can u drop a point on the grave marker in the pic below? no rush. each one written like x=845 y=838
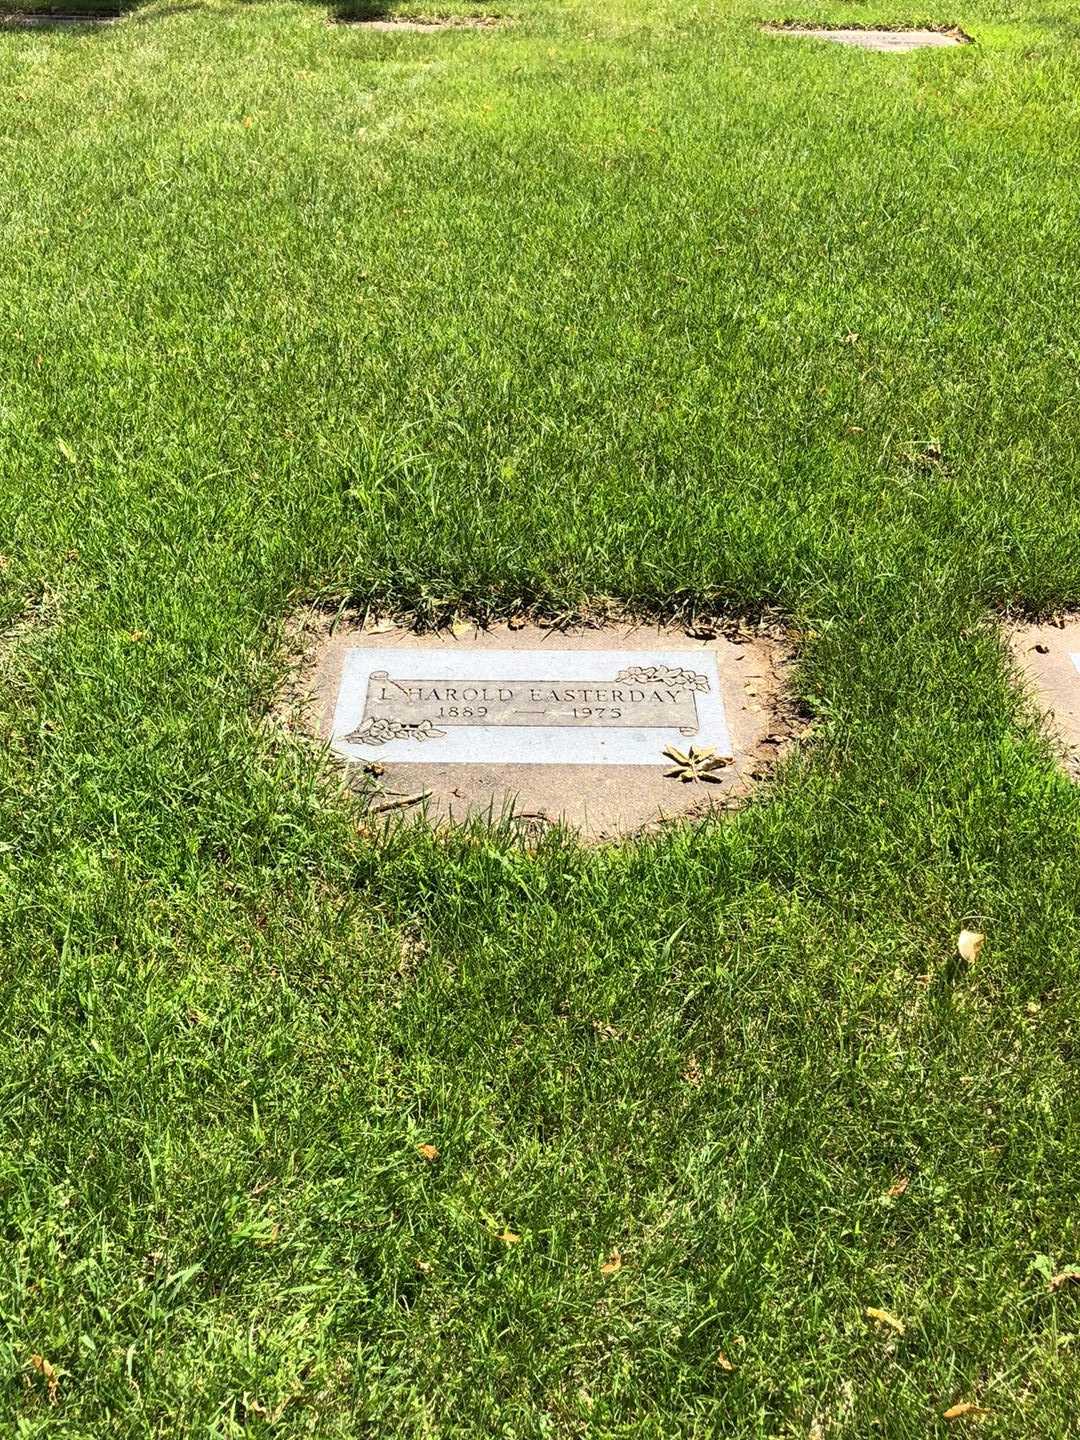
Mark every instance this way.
x=527 y=707
x=1049 y=658
x=889 y=41
x=583 y=726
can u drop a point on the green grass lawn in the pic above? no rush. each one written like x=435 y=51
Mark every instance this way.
x=620 y=300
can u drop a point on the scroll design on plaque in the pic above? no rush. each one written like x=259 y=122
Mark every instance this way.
x=639 y=697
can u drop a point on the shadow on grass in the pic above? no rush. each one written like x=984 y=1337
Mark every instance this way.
x=423 y=17
x=80 y=14
x=359 y=10
x=88 y=14
x=46 y=18
x=392 y=11
x=84 y=16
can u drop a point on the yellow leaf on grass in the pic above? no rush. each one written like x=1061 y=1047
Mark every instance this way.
x=965 y=1410
x=898 y=1188
x=724 y=1362
x=507 y=1237
x=882 y=1317
x=969 y=944
x=612 y=1265
x=427 y=1152
x=49 y=1373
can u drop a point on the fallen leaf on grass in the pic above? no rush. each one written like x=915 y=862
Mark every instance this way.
x=49 y=1374
x=965 y=1410
x=428 y=1152
x=612 y=1265
x=1070 y=1275
x=969 y=944
x=695 y=764
x=270 y=1413
x=507 y=1237
x=882 y=1317
x=724 y=1362
x=898 y=1188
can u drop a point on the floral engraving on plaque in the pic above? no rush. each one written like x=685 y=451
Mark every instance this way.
x=674 y=679
x=378 y=729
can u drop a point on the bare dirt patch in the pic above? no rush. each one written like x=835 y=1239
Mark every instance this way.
x=1048 y=657
x=603 y=801
x=888 y=41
